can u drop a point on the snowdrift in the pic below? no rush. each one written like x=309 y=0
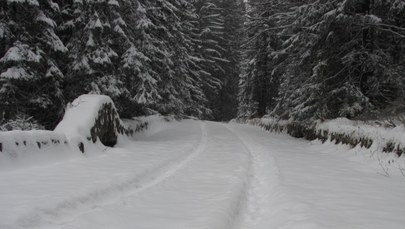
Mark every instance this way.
x=92 y=120
x=381 y=142
x=91 y=123
x=373 y=136
x=21 y=148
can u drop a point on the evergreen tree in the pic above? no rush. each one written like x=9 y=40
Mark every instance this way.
x=260 y=77
x=345 y=68
x=217 y=47
x=169 y=48
x=233 y=12
x=209 y=36
x=98 y=40
x=30 y=80
x=138 y=69
x=325 y=59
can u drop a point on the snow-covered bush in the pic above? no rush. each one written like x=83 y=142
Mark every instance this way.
x=24 y=148
x=21 y=123
x=91 y=123
x=371 y=135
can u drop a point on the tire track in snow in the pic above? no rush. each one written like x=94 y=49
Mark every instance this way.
x=263 y=203
x=93 y=200
x=249 y=210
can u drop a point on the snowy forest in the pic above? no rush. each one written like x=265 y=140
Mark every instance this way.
x=210 y=59
x=196 y=114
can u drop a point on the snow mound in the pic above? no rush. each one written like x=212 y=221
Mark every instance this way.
x=381 y=135
x=24 y=148
x=91 y=123
x=150 y=125
x=382 y=143
x=92 y=120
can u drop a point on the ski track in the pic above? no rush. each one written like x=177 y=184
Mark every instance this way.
x=98 y=198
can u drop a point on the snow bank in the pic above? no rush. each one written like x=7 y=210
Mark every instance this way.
x=386 y=139
x=92 y=121
x=150 y=125
x=24 y=148
x=380 y=142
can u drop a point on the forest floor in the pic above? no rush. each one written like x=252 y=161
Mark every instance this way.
x=194 y=174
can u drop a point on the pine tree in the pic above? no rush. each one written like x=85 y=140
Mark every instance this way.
x=97 y=42
x=209 y=36
x=168 y=44
x=344 y=68
x=233 y=12
x=138 y=70
x=30 y=79
x=260 y=76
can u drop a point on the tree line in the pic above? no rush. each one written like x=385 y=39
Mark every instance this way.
x=323 y=59
x=211 y=59
x=150 y=56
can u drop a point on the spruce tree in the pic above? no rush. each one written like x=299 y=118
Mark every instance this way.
x=97 y=42
x=30 y=79
x=344 y=67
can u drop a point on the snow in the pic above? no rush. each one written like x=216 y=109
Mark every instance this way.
x=103 y=55
x=98 y=24
x=132 y=58
x=54 y=6
x=330 y=188
x=90 y=41
x=113 y=3
x=43 y=18
x=54 y=41
x=195 y=174
x=120 y=21
x=373 y=19
x=4 y=30
x=83 y=65
x=119 y=30
x=95 y=23
x=16 y=73
x=156 y=124
x=110 y=85
x=20 y=52
x=54 y=71
x=23 y=149
x=80 y=117
x=29 y=2
x=380 y=134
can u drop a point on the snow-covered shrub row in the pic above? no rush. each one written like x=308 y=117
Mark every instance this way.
x=91 y=123
x=370 y=135
x=20 y=148
x=151 y=124
x=93 y=120
x=22 y=122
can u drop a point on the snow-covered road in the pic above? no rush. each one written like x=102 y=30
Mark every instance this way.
x=194 y=175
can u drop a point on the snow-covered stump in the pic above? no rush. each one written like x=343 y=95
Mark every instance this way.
x=92 y=120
